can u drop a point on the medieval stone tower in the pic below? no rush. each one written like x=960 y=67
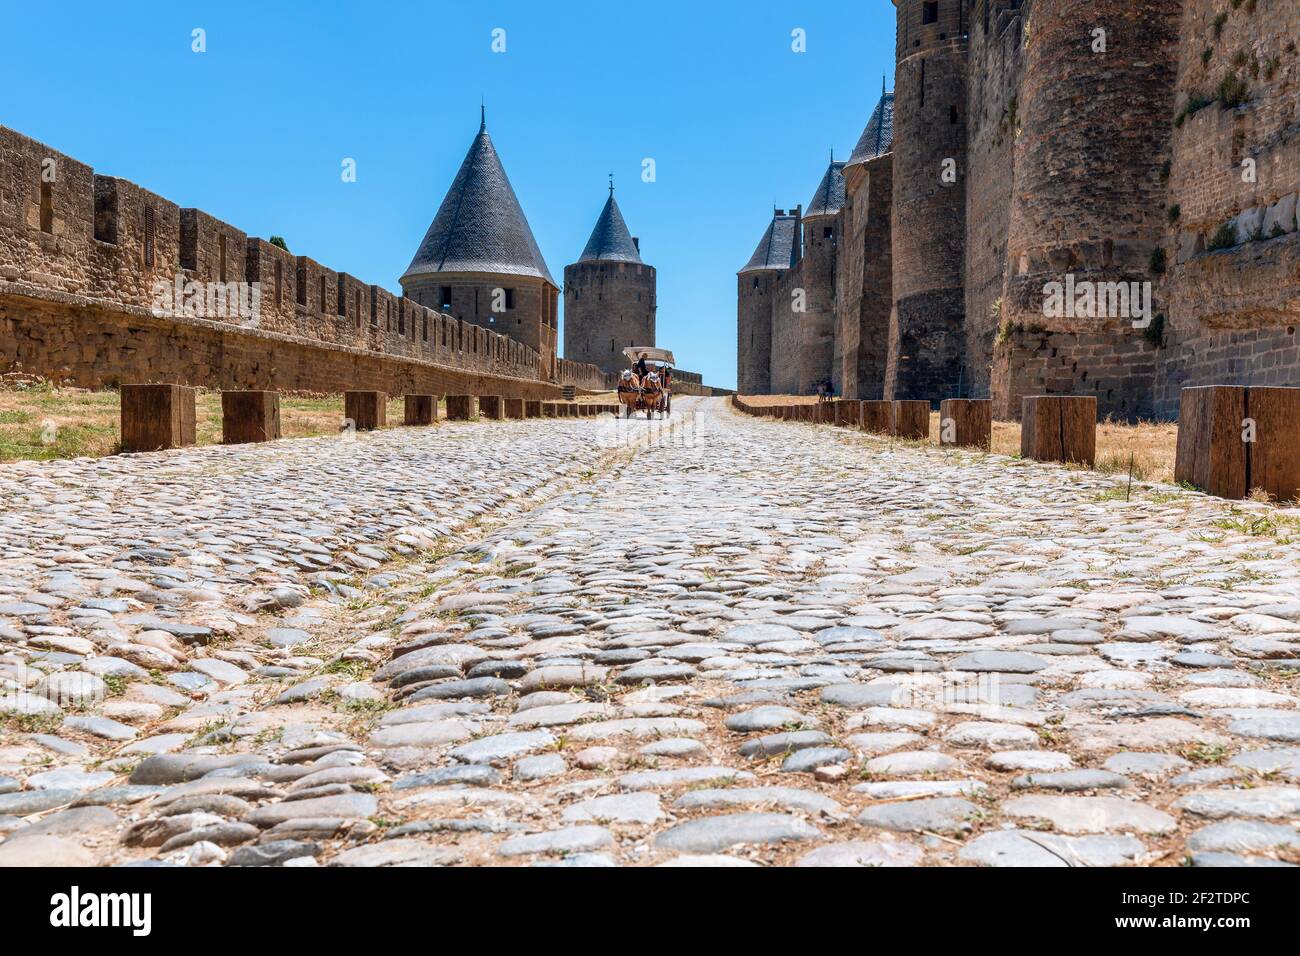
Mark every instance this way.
x=756 y=304
x=1097 y=214
x=1080 y=197
x=479 y=261
x=929 y=203
x=864 y=272
x=609 y=295
x=817 y=281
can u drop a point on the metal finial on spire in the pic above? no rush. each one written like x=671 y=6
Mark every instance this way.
x=482 y=115
x=883 y=87
x=611 y=185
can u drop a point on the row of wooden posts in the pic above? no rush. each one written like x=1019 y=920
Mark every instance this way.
x=1232 y=439
x=155 y=417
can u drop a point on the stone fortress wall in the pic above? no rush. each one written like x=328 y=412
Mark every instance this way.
x=1171 y=158
x=79 y=257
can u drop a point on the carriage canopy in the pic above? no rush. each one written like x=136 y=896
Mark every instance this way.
x=653 y=356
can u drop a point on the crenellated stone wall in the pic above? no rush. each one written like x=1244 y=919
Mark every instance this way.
x=81 y=257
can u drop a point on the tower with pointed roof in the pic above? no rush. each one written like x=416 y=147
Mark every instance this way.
x=757 y=285
x=479 y=262
x=816 y=325
x=609 y=294
x=864 y=292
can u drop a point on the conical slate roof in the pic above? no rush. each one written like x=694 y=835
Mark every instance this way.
x=878 y=138
x=829 y=198
x=610 y=240
x=777 y=249
x=480 y=226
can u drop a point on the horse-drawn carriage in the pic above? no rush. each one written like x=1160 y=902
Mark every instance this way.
x=646 y=386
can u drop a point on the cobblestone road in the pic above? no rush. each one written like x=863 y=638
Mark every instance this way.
x=574 y=642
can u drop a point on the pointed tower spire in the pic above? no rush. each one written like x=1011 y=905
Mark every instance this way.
x=611 y=238
x=480 y=226
x=878 y=137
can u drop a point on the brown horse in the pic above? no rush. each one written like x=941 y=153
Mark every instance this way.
x=629 y=391
x=652 y=393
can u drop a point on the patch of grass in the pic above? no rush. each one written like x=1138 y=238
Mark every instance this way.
x=1195 y=103
x=1201 y=752
x=41 y=423
x=31 y=723
x=1225 y=237
x=1233 y=91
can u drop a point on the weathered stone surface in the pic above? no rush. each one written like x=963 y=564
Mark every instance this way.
x=711 y=834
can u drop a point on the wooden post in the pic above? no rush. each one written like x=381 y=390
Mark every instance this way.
x=1234 y=439
x=912 y=420
x=366 y=410
x=550 y=409
x=514 y=407
x=421 y=409
x=966 y=422
x=249 y=416
x=1059 y=428
x=461 y=408
x=155 y=417
x=877 y=417
x=848 y=413
x=489 y=406
x=532 y=409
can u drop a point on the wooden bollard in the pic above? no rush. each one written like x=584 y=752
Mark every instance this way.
x=847 y=413
x=532 y=409
x=1234 y=439
x=155 y=417
x=490 y=407
x=966 y=422
x=461 y=408
x=912 y=420
x=249 y=416
x=366 y=410
x=421 y=409
x=514 y=407
x=1059 y=428
x=550 y=410
x=877 y=417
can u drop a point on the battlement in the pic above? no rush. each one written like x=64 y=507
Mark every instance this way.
x=71 y=234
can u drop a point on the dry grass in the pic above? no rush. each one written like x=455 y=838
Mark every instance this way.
x=779 y=399
x=41 y=423
x=1149 y=445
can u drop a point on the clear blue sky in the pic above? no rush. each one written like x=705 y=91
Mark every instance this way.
x=254 y=130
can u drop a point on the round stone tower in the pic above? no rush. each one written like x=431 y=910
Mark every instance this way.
x=760 y=330
x=1089 y=202
x=609 y=295
x=929 y=201
x=821 y=228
